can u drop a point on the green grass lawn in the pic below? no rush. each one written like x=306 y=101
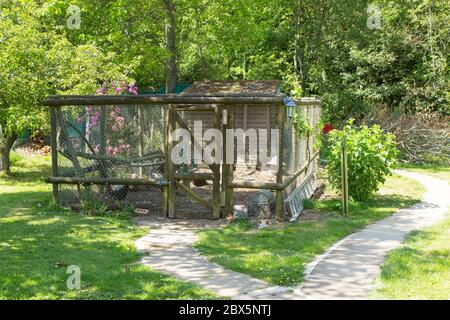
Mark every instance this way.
x=279 y=255
x=38 y=243
x=420 y=269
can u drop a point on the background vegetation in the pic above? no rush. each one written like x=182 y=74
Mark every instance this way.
x=326 y=47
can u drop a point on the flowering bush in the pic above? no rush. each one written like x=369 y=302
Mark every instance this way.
x=371 y=155
x=116 y=128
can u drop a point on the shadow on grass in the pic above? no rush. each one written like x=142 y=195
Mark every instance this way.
x=38 y=244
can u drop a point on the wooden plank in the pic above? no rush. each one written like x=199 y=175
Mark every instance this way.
x=195 y=108
x=256 y=185
x=194 y=176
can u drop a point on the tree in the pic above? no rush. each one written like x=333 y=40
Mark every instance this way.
x=35 y=62
x=23 y=79
x=171 y=62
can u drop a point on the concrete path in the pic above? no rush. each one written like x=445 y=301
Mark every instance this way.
x=347 y=270
x=169 y=247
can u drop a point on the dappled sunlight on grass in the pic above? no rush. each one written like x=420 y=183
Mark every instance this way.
x=38 y=243
x=279 y=254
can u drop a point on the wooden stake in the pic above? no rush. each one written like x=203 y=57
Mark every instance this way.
x=344 y=174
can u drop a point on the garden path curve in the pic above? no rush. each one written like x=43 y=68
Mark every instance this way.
x=347 y=270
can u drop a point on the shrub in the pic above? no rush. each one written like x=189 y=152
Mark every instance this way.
x=14 y=158
x=92 y=207
x=371 y=155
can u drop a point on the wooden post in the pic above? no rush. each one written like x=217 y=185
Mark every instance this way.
x=228 y=167
x=54 y=149
x=169 y=192
x=216 y=171
x=344 y=174
x=279 y=207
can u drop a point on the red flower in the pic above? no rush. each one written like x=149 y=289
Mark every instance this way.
x=327 y=128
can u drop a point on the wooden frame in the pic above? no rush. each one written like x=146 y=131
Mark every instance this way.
x=221 y=105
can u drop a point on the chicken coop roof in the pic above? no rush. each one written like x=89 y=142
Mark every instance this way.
x=242 y=86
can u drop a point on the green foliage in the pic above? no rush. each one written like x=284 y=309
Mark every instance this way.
x=371 y=156
x=93 y=207
x=301 y=124
x=15 y=158
x=309 y=204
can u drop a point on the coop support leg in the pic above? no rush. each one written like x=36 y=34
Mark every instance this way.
x=279 y=207
x=227 y=168
x=54 y=150
x=169 y=192
x=216 y=171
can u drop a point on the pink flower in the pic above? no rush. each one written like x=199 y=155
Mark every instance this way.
x=102 y=90
x=133 y=89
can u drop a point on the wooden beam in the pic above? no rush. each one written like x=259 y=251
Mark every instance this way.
x=200 y=108
x=106 y=181
x=256 y=185
x=194 y=176
x=233 y=100
x=270 y=185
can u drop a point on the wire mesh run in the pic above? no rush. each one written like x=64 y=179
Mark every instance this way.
x=111 y=142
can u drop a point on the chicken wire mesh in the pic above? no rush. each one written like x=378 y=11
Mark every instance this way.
x=298 y=150
x=111 y=142
x=128 y=142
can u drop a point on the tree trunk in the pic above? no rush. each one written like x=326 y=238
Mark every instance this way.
x=171 y=62
x=6 y=144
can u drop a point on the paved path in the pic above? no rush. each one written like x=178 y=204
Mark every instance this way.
x=348 y=269
x=345 y=271
x=169 y=245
